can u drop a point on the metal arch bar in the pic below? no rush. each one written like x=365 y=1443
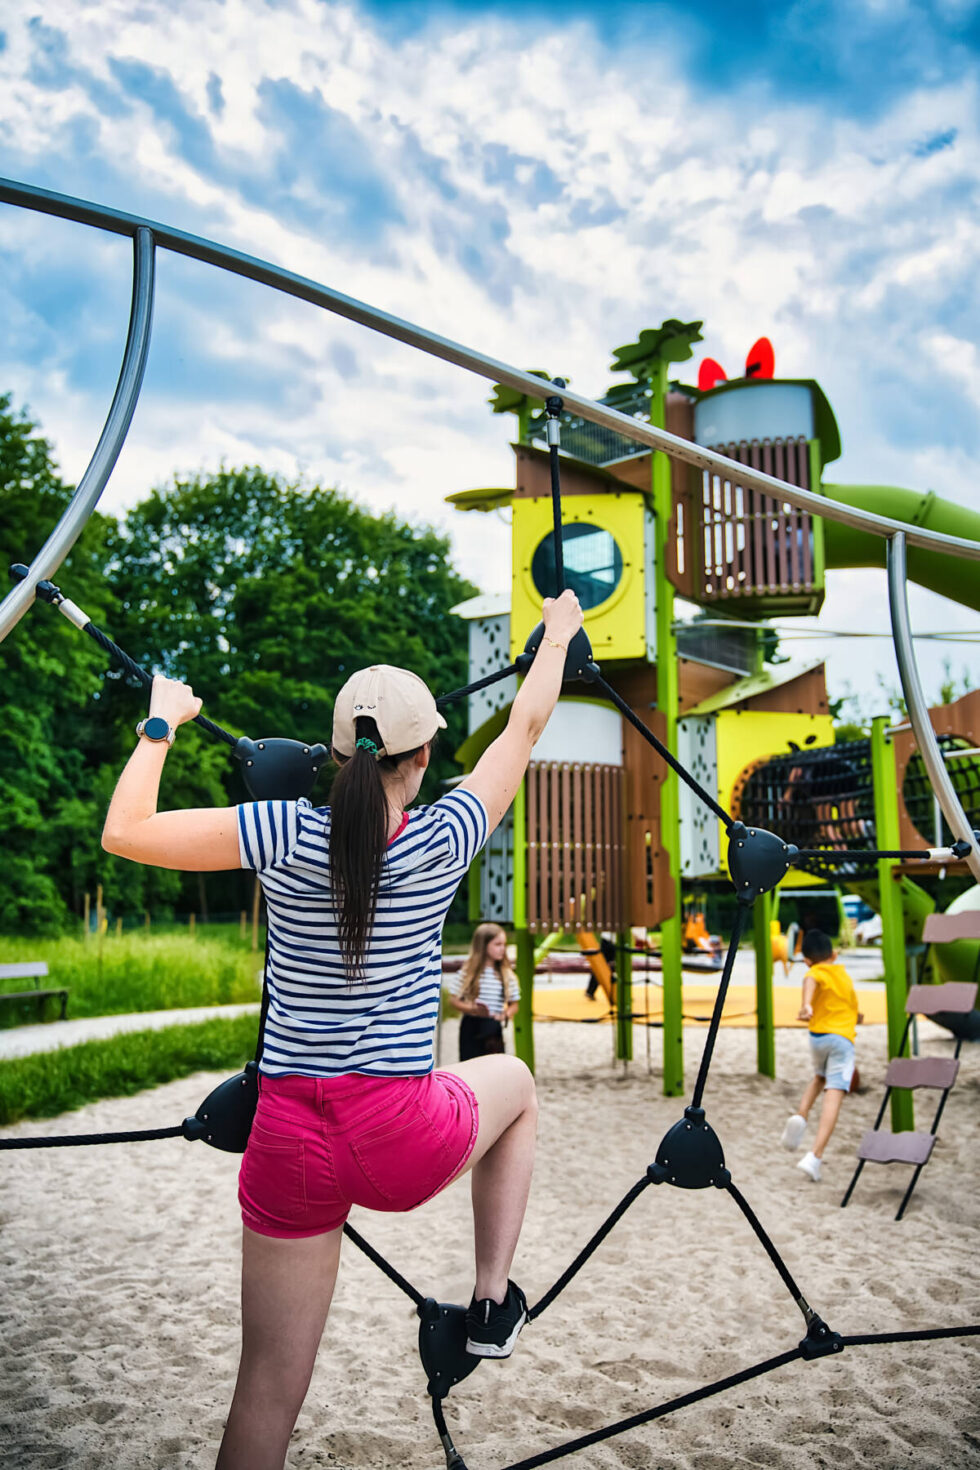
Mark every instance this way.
x=82 y=212
x=915 y=701
x=93 y=482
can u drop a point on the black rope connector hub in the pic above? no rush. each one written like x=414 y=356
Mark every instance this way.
x=821 y=1341
x=224 y=1119
x=690 y=1155
x=279 y=770
x=580 y=666
x=442 y=1346
x=757 y=860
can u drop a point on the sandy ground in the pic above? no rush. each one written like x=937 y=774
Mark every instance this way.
x=119 y=1314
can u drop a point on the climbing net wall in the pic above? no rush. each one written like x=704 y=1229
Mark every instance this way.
x=690 y=1156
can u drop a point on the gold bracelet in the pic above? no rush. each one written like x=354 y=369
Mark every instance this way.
x=562 y=646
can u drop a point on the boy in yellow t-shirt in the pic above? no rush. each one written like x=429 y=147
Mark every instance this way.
x=830 y=1005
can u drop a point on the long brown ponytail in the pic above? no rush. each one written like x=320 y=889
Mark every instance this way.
x=358 y=842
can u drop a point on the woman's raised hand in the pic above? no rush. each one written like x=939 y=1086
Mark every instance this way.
x=562 y=617
x=173 y=701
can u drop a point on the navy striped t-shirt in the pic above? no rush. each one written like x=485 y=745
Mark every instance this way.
x=319 y=1024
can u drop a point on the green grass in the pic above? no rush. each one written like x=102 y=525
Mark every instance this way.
x=140 y=971
x=53 y=1082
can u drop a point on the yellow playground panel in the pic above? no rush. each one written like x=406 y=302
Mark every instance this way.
x=746 y=737
x=612 y=536
x=696 y=1004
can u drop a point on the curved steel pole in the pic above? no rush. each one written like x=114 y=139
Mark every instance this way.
x=93 y=482
x=915 y=702
x=65 y=207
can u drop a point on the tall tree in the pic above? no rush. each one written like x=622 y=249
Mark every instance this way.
x=51 y=727
x=267 y=595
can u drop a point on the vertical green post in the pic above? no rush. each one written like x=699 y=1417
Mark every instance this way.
x=892 y=916
x=524 y=1020
x=668 y=703
x=765 y=1042
x=624 y=996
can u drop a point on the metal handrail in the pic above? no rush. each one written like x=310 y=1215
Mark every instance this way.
x=915 y=703
x=196 y=248
x=93 y=482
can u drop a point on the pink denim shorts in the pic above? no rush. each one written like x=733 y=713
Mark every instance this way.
x=321 y=1144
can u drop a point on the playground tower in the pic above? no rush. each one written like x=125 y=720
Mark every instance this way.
x=601 y=836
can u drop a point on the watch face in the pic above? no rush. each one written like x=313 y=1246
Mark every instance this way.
x=156 y=728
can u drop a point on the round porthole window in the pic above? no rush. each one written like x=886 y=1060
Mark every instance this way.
x=593 y=564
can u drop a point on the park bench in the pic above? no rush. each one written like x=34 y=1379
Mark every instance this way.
x=36 y=997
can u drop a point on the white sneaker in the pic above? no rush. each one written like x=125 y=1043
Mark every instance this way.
x=810 y=1165
x=793 y=1132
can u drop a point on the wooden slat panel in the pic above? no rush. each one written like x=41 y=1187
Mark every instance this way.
x=794 y=568
x=568 y=897
x=758 y=511
x=607 y=804
x=769 y=506
x=554 y=818
x=600 y=849
x=752 y=544
x=803 y=479
x=533 y=850
x=578 y=845
x=743 y=534
x=588 y=864
x=782 y=531
x=615 y=805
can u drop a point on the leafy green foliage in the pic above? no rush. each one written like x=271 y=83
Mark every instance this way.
x=51 y=679
x=672 y=341
x=265 y=595
x=49 y=1083
x=268 y=596
x=509 y=400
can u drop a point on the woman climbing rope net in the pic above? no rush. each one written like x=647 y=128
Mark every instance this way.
x=350 y=1109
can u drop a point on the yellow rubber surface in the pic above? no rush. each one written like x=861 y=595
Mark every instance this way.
x=552 y=1004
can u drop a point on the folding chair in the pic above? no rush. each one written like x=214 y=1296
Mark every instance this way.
x=879 y=1145
x=945 y=929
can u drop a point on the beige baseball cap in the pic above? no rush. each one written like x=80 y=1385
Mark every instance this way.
x=396 y=700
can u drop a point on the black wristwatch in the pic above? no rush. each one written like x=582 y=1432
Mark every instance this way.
x=156 y=728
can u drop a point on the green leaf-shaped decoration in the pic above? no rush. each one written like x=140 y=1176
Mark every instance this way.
x=672 y=341
x=509 y=400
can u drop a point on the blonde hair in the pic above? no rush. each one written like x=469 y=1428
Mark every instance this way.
x=477 y=962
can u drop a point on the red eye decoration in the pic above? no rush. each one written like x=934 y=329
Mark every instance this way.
x=759 y=363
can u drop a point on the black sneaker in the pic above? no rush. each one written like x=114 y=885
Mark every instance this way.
x=492 y=1329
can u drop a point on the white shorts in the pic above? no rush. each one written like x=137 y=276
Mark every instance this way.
x=833 y=1059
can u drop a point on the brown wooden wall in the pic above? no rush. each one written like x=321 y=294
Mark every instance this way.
x=750 y=544
x=651 y=896
x=576 y=849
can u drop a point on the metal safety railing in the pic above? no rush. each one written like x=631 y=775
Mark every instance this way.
x=147 y=234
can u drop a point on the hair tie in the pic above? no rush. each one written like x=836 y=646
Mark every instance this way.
x=365 y=744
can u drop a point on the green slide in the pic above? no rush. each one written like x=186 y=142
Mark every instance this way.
x=951 y=576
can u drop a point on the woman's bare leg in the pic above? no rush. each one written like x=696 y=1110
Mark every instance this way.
x=501 y=1162
x=286 y=1290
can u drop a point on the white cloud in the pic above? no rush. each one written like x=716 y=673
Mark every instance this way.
x=820 y=230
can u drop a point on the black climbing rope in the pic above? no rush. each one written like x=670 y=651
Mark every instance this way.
x=553 y=407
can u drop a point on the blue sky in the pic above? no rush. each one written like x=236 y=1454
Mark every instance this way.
x=539 y=182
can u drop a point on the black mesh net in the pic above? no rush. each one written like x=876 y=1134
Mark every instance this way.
x=963 y=768
x=814 y=798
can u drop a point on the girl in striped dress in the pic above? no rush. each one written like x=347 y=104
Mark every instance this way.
x=485 y=991
x=350 y=1108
